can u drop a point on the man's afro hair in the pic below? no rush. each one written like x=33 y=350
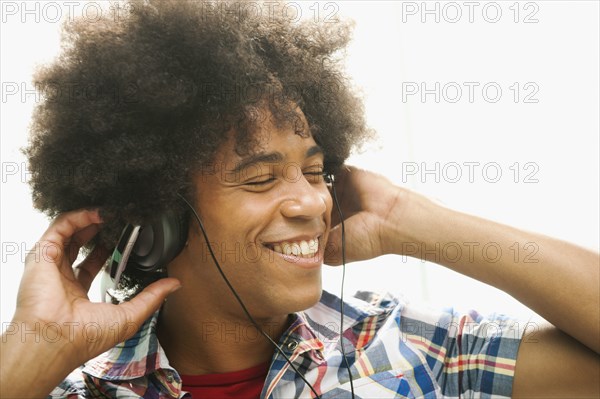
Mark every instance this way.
x=135 y=105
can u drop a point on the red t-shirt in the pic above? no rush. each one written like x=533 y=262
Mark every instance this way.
x=244 y=384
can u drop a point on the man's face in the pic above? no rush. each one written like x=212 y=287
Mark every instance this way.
x=267 y=215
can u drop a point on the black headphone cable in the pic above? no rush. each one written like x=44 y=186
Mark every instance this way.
x=337 y=205
x=237 y=297
x=239 y=300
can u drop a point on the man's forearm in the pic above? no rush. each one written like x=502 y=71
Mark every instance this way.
x=558 y=280
x=30 y=369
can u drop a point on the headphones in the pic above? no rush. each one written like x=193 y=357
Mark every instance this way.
x=146 y=248
x=150 y=247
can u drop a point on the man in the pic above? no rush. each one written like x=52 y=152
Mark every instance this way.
x=252 y=166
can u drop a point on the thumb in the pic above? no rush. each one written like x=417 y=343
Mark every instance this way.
x=333 y=247
x=358 y=243
x=144 y=304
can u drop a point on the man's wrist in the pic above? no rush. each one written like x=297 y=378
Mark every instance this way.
x=35 y=358
x=413 y=223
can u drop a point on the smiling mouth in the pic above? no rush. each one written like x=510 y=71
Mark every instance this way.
x=303 y=249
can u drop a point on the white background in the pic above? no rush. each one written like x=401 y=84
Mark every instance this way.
x=556 y=137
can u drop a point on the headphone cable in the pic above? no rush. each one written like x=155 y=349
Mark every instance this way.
x=337 y=205
x=239 y=300
x=237 y=297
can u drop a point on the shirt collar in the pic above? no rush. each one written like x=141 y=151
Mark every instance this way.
x=314 y=330
x=136 y=357
x=318 y=328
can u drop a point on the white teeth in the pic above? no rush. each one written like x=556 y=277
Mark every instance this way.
x=302 y=248
x=287 y=248
x=296 y=249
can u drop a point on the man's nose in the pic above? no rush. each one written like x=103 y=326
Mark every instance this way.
x=304 y=199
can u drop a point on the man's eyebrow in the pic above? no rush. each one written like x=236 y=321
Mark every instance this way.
x=270 y=157
x=264 y=157
x=314 y=150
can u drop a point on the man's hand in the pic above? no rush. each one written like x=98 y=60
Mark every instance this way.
x=374 y=212
x=52 y=301
x=561 y=282
x=381 y=218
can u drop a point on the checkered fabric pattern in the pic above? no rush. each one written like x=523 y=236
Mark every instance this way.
x=395 y=350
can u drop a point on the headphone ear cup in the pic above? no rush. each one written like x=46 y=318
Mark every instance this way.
x=159 y=242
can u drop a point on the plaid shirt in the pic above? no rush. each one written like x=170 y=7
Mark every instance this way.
x=394 y=350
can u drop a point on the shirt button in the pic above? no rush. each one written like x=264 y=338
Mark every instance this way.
x=292 y=345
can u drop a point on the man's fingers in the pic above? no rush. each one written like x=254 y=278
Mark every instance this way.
x=348 y=191
x=87 y=270
x=144 y=304
x=333 y=248
x=79 y=239
x=358 y=244
x=54 y=245
x=64 y=227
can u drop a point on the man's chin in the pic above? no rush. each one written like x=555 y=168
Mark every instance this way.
x=294 y=299
x=308 y=298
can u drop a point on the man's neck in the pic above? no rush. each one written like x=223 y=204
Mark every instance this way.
x=213 y=343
